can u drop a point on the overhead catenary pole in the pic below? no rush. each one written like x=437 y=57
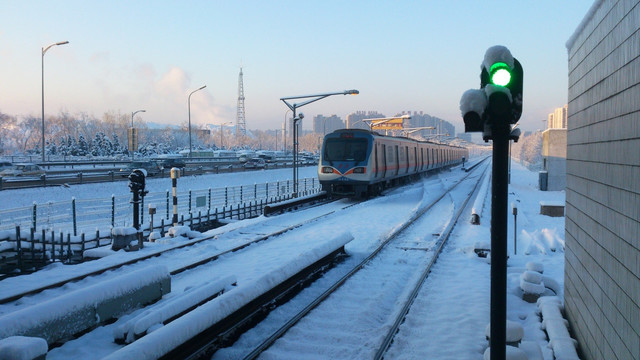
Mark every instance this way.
x=293 y=107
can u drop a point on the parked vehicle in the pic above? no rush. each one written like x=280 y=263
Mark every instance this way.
x=26 y=169
x=4 y=165
x=168 y=163
x=151 y=167
x=255 y=163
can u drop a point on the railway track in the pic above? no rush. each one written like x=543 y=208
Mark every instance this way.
x=375 y=287
x=225 y=249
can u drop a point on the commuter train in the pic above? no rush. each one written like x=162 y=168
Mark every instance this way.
x=359 y=163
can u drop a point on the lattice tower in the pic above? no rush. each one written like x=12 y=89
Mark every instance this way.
x=241 y=124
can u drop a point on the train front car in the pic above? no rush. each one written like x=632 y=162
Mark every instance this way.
x=344 y=169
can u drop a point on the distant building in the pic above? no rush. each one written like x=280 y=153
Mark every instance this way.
x=354 y=120
x=558 y=118
x=324 y=125
x=602 y=254
x=420 y=119
x=464 y=136
x=554 y=158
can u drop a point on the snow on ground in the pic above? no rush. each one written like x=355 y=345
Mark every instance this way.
x=448 y=319
x=14 y=198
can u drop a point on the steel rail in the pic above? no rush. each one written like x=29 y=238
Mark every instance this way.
x=289 y=324
x=442 y=240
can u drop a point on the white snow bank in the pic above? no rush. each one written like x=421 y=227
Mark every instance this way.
x=22 y=348
x=157 y=315
x=534 y=266
x=512 y=352
x=123 y=231
x=532 y=277
x=542 y=241
x=161 y=341
x=515 y=332
x=563 y=346
x=531 y=288
x=98 y=252
x=47 y=319
x=185 y=231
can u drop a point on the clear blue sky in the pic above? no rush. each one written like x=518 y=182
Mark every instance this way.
x=401 y=55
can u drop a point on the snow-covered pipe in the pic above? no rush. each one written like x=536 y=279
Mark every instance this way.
x=163 y=340
x=158 y=315
x=478 y=204
x=563 y=346
x=77 y=311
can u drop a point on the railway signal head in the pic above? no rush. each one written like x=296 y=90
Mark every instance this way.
x=501 y=77
x=499 y=99
x=137 y=181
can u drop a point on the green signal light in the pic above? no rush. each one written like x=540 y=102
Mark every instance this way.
x=500 y=74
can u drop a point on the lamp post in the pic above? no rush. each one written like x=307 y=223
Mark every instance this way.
x=133 y=134
x=189 y=105
x=284 y=132
x=294 y=107
x=221 y=125
x=44 y=51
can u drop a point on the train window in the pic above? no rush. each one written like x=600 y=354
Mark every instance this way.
x=345 y=149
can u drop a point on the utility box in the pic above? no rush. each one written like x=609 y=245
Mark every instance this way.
x=122 y=237
x=543 y=178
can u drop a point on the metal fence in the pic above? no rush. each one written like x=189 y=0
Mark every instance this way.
x=84 y=216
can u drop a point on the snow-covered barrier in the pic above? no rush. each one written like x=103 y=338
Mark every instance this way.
x=161 y=314
x=23 y=348
x=563 y=346
x=77 y=311
x=162 y=341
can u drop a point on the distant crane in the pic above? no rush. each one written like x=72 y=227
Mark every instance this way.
x=241 y=124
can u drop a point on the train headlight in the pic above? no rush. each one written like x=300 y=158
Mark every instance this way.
x=359 y=170
x=327 y=170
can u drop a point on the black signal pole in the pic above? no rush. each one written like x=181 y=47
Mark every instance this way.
x=499 y=194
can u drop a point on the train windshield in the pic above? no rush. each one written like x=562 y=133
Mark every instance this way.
x=345 y=149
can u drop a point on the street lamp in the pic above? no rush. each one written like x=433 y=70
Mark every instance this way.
x=293 y=107
x=221 y=125
x=44 y=51
x=189 y=104
x=133 y=134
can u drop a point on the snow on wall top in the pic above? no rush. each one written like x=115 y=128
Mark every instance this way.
x=496 y=54
x=592 y=10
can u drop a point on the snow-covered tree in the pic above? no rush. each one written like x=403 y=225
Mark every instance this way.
x=83 y=146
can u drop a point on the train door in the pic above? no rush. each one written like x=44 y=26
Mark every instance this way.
x=384 y=160
x=421 y=159
x=397 y=160
x=406 y=159
x=376 y=171
x=415 y=159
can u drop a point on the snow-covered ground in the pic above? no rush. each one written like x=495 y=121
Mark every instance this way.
x=15 y=198
x=449 y=317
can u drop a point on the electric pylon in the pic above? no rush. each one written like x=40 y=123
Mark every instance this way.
x=241 y=124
